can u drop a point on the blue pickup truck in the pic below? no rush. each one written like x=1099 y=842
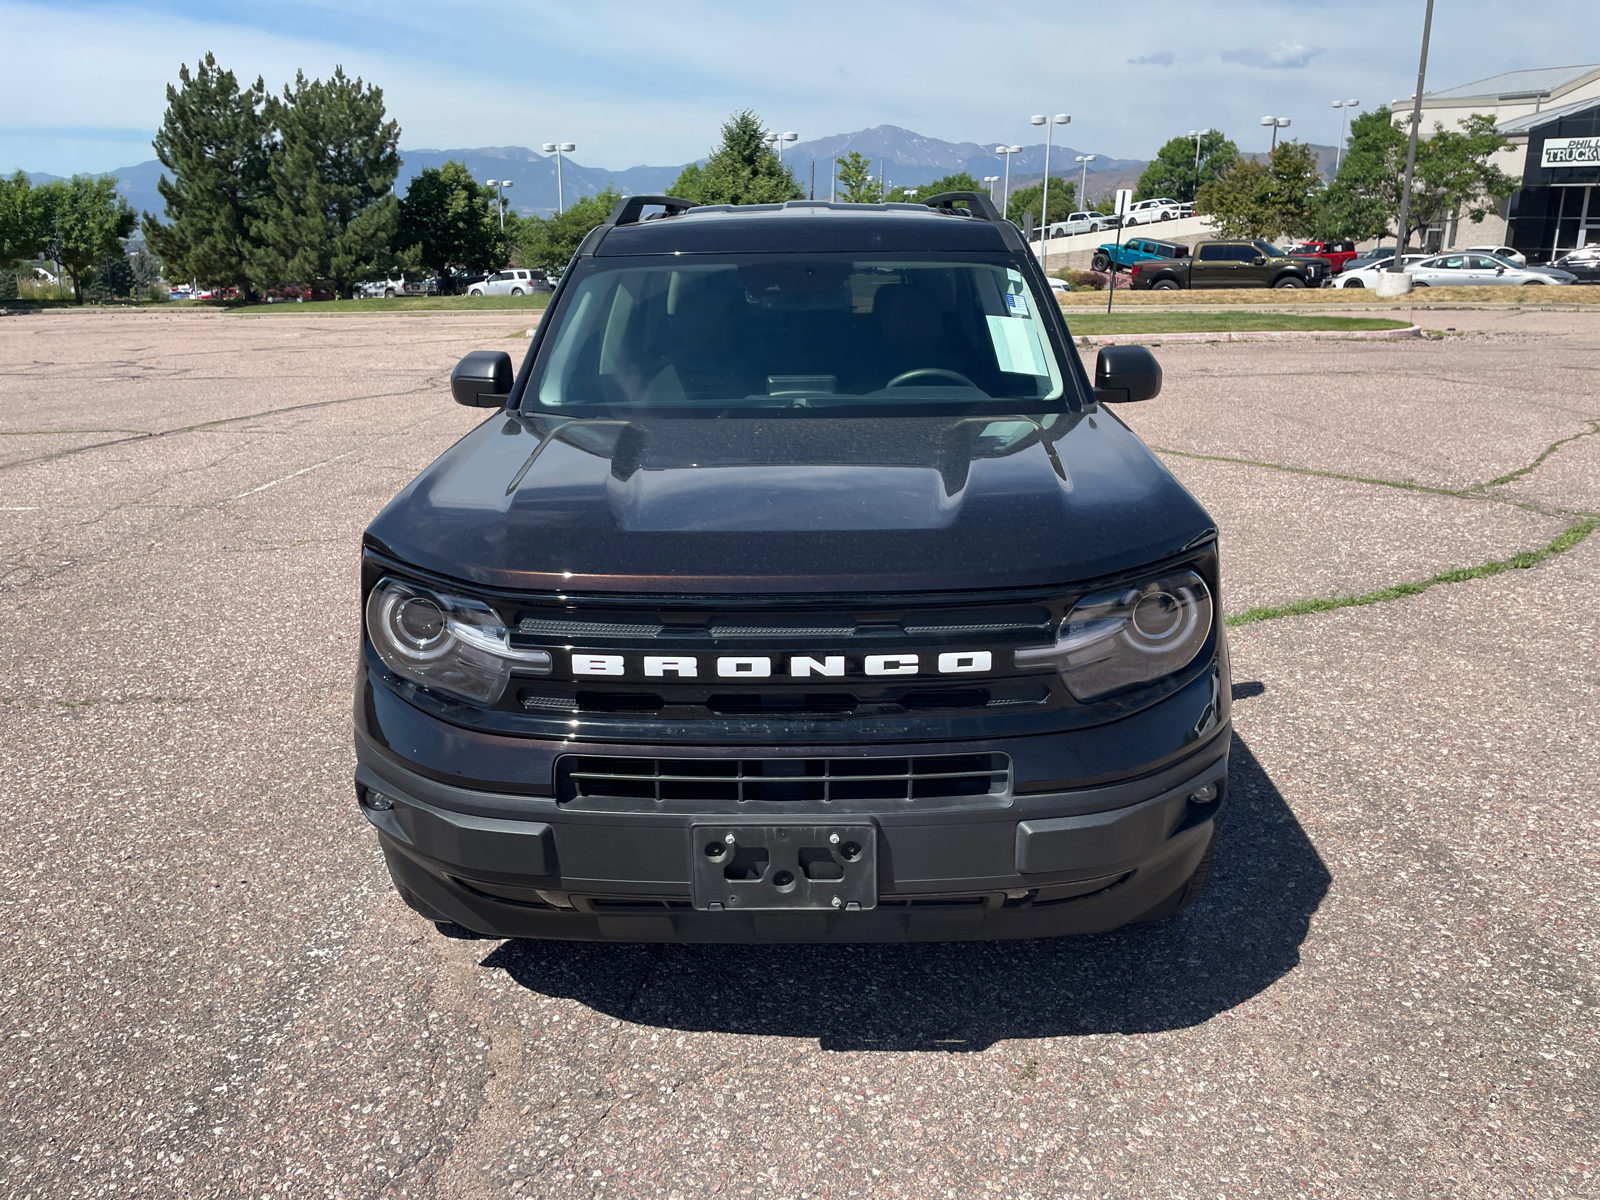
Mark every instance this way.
x=1135 y=250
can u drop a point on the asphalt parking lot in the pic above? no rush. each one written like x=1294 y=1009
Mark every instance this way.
x=207 y=987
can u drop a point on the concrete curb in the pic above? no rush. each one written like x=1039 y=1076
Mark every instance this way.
x=1258 y=335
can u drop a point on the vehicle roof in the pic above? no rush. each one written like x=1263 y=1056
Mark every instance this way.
x=820 y=226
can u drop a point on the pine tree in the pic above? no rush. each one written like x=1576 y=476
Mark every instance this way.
x=216 y=141
x=447 y=217
x=742 y=170
x=332 y=210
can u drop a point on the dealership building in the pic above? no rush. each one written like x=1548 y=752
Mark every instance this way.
x=1552 y=117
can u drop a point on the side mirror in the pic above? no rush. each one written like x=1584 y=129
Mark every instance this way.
x=482 y=379
x=1499 y=270
x=1259 y=260
x=1123 y=374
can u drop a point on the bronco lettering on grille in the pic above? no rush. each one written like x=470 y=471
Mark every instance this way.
x=799 y=666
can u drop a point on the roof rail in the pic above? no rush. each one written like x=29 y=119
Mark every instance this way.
x=627 y=211
x=978 y=204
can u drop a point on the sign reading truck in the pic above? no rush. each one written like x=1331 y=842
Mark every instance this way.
x=1571 y=152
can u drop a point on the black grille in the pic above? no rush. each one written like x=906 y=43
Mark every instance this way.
x=824 y=780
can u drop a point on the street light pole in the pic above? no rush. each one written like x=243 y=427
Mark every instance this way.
x=500 y=186
x=1044 y=200
x=1083 y=187
x=1278 y=123
x=1344 y=107
x=1005 y=195
x=988 y=182
x=557 y=148
x=1197 y=134
x=1398 y=264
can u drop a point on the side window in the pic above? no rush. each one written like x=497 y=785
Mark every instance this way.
x=498 y=277
x=1454 y=263
x=1242 y=254
x=1215 y=253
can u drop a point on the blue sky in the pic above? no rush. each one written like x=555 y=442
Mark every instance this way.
x=84 y=85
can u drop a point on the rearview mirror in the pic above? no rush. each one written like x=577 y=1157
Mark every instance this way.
x=1123 y=374
x=482 y=379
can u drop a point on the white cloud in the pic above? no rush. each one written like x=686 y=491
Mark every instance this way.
x=1161 y=58
x=1284 y=56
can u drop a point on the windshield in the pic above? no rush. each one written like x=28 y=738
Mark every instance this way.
x=801 y=334
x=1270 y=250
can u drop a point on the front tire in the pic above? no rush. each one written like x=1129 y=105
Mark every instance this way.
x=1290 y=281
x=1353 y=283
x=1166 y=216
x=1101 y=261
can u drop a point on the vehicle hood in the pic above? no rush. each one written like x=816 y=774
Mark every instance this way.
x=749 y=505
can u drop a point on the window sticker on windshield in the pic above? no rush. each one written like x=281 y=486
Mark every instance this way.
x=1016 y=347
x=1017 y=304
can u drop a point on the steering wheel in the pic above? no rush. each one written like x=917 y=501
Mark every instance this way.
x=908 y=377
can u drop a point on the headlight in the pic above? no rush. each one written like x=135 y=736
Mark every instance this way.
x=1114 y=640
x=445 y=642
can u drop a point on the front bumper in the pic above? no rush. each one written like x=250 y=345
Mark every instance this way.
x=1102 y=826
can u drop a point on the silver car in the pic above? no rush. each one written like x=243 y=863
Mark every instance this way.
x=517 y=281
x=1446 y=270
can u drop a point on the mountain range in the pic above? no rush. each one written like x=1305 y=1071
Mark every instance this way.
x=906 y=157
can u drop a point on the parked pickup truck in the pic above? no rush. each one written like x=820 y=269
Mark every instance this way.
x=1338 y=254
x=1232 y=264
x=1135 y=250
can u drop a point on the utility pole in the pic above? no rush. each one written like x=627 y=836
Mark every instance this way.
x=1398 y=265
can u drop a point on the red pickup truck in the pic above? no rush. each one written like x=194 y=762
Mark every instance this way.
x=1338 y=254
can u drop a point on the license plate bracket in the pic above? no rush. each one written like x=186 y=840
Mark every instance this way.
x=756 y=868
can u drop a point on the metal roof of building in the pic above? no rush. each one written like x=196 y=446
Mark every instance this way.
x=1518 y=126
x=1518 y=84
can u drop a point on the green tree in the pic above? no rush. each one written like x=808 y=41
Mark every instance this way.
x=959 y=182
x=147 y=270
x=447 y=216
x=856 y=184
x=24 y=228
x=1266 y=200
x=743 y=169
x=549 y=244
x=1453 y=175
x=1171 y=173
x=333 y=212
x=88 y=222
x=216 y=141
x=1063 y=201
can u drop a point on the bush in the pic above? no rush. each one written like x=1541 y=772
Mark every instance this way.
x=1093 y=280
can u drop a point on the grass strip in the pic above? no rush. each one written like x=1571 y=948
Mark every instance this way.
x=1222 y=322
x=384 y=304
x=1563 y=542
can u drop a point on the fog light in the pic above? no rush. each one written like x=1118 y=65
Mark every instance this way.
x=378 y=801
x=1205 y=795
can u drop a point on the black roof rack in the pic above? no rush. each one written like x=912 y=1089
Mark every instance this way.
x=627 y=211
x=978 y=204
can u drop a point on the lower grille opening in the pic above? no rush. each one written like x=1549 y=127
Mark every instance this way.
x=925 y=698
x=782 y=780
x=781 y=703
x=621 y=701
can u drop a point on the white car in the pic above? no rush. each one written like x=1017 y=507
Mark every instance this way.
x=1505 y=252
x=1147 y=211
x=1465 y=270
x=515 y=282
x=1059 y=285
x=1366 y=274
x=1083 y=222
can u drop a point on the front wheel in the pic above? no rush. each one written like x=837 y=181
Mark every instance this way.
x=1101 y=261
x=1289 y=281
x=388 y=293
x=1416 y=283
x=1166 y=216
x=1353 y=283
x=477 y=291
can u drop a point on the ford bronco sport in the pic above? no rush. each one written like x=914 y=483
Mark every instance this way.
x=799 y=587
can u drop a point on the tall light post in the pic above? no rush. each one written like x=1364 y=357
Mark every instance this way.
x=1344 y=107
x=1044 y=200
x=1083 y=187
x=1276 y=123
x=988 y=182
x=1197 y=134
x=1397 y=265
x=1006 y=152
x=500 y=186
x=558 y=148
x=777 y=140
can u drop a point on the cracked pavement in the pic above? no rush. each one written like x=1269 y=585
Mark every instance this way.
x=208 y=988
